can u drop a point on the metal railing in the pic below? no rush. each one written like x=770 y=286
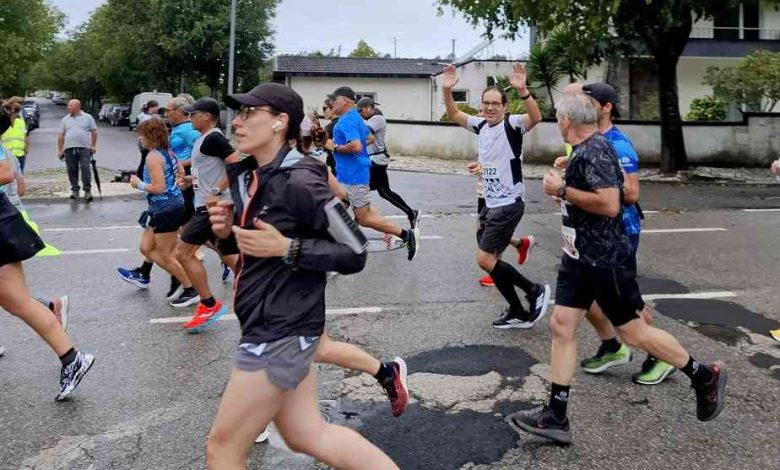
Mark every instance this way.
x=735 y=34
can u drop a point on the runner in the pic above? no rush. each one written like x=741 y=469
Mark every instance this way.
x=595 y=248
x=166 y=207
x=349 y=147
x=380 y=159
x=500 y=162
x=280 y=289
x=18 y=242
x=210 y=153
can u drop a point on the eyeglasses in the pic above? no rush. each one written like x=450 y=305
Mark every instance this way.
x=492 y=104
x=245 y=111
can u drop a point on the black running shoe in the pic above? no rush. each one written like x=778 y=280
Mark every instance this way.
x=537 y=302
x=412 y=243
x=513 y=318
x=188 y=297
x=415 y=220
x=711 y=397
x=543 y=423
x=71 y=375
x=176 y=289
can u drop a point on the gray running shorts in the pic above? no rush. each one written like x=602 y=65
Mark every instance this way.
x=286 y=361
x=359 y=195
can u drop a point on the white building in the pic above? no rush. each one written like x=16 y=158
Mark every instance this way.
x=408 y=89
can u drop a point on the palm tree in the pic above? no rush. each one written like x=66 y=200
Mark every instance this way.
x=544 y=69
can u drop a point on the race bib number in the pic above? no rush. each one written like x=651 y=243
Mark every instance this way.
x=491 y=185
x=195 y=184
x=569 y=242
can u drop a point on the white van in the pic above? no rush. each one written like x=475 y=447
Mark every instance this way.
x=141 y=99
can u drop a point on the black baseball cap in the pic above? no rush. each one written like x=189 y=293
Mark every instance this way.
x=279 y=97
x=366 y=101
x=204 y=105
x=344 y=91
x=603 y=93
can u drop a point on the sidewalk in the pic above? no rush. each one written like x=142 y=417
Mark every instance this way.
x=53 y=183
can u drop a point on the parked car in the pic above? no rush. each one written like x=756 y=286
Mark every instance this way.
x=103 y=115
x=30 y=119
x=141 y=99
x=34 y=105
x=60 y=100
x=119 y=116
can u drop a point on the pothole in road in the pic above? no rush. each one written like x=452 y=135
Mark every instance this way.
x=473 y=360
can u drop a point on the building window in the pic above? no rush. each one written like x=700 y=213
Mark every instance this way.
x=460 y=96
x=363 y=94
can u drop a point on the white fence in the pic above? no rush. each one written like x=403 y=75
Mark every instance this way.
x=753 y=142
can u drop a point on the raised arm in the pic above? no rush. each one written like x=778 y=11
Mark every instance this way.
x=533 y=116
x=450 y=79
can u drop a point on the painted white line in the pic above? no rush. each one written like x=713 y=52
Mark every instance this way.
x=95 y=252
x=85 y=229
x=424 y=216
x=231 y=317
x=760 y=210
x=431 y=237
x=692 y=295
x=685 y=230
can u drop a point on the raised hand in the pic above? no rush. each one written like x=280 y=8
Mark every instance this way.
x=518 y=77
x=450 y=77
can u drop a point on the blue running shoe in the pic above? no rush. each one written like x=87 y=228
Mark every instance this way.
x=225 y=272
x=133 y=276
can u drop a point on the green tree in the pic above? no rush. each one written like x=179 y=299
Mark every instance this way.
x=755 y=82
x=363 y=51
x=544 y=70
x=659 y=28
x=28 y=30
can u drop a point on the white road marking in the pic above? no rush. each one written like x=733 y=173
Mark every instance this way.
x=760 y=210
x=424 y=216
x=431 y=237
x=689 y=295
x=95 y=252
x=685 y=230
x=84 y=229
x=231 y=316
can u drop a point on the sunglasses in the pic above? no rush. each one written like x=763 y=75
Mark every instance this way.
x=244 y=112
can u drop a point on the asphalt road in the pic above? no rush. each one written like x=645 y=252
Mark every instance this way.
x=709 y=269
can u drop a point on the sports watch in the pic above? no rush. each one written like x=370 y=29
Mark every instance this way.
x=562 y=192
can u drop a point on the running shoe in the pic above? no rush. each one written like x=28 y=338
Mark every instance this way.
x=263 y=436
x=71 y=375
x=134 y=277
x=416 y=218
x=412 y=243
x=537 y=302
x=653 y=372
x=603 y=360
x=225 y=272
x=396 y=389
x=711 y=397
x=486 y=281
x=188 y=297
x=60 y=308
x=176 y=289
x=205 y=316
x=543 y=423
x=512 y=318
x=775 y=334
x=524 y=249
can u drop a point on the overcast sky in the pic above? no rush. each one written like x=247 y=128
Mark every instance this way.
x=308 y=25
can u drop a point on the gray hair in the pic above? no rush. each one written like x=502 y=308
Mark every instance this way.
x=179 y=103
x=579 y=109
x=187 y=97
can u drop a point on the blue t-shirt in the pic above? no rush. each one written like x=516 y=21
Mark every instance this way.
x=352 y=169
x=3 y=156
x=172 y=192
x=183 y=137
x=629 y=162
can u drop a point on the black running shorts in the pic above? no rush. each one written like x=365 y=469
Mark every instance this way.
x=379 y=177
x=615 y=290
x=198 y=230
x=18 y=241
x=497 y=225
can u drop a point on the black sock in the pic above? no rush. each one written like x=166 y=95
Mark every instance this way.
x=521 y=281
x=697 y=372
x=146 y=269
x=68 y=357
x=559 y=400
x=385 y=372
x=210 y=302
x=502 y=277
x=611 y=345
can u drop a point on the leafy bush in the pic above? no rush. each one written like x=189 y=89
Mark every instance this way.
x=463 y=107
x=707 y=108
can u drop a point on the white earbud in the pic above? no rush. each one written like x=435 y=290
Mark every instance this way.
x=276 y=125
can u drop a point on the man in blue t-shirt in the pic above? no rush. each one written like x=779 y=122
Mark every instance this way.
x=350 y=148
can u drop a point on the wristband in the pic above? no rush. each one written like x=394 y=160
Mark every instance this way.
x=141 y=186
x=525 y=97
x=293 y=253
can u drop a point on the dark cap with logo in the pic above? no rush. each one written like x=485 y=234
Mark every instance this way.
x=344 y=91
x=279 y=97
x=203 y=105
x=366 y=102
x=603 y=93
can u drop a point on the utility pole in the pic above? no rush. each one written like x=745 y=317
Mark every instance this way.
x=453 y=48
x=395 y=47
x=231 y=65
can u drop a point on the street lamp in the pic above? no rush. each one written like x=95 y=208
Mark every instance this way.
x=231 y=64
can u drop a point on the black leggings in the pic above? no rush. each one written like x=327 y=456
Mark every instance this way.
x=381 y=183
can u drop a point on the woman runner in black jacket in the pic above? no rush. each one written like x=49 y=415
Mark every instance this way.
x=280 y=198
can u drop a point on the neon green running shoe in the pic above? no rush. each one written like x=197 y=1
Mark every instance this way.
x=653 y=372
x=603 y=360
